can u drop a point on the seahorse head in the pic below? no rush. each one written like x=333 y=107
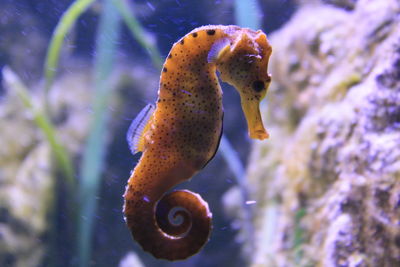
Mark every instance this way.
x=244 y=64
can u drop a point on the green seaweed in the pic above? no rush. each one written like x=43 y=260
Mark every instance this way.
x=95 y=148
x=67 y=20
x=137 y=32
x=63 y=160
x=234 y=163
x=44 y=124
x=298 y=235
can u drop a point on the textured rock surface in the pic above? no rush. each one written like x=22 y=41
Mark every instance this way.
x=327 y=182
x=27 y=179
x=26 y=190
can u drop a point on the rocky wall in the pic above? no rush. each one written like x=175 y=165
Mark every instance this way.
x=327 y=182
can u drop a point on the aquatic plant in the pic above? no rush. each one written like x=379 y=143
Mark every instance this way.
x=298 y=235
x=235 y=165
x=137 y=32
x=67 y=21
x=43 y=123
x=95 y=148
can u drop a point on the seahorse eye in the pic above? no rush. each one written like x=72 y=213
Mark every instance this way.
x=258 y=86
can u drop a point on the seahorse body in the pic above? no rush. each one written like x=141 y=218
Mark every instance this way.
x=182 y=134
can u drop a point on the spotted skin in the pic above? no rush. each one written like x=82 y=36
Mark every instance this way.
x=184 y=132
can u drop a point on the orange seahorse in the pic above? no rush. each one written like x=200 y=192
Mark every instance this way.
x=181 y=134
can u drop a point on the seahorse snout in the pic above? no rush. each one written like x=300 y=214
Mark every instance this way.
x=251 y=110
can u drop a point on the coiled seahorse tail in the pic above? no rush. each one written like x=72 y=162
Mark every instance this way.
x=181 y=134
x=182 y=216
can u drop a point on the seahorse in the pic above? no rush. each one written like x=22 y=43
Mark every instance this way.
x=181 y=133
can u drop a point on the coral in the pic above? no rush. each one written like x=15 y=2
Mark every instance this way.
x=327 y=182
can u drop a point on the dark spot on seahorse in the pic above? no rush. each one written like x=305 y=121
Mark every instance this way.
x=210 y=32
x=194 y=34
x=164 y=69
x=258 y=86
x=169 y=56
x=182 y=41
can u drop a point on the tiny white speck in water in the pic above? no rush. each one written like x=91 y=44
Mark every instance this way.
x=251 y=202
x=228 y=180
x=150 y=6
x=145 y=198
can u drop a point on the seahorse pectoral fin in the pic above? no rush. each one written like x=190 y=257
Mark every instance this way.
x=251 y=110
x=218 y=49
x=139 y=126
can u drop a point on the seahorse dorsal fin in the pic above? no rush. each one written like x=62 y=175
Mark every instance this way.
x=218 y=49
x=139 y=126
